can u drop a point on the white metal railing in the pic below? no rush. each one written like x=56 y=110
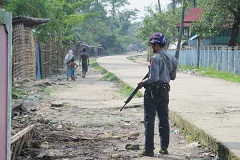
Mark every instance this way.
x=217 y=57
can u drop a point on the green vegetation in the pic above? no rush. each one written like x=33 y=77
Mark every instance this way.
x=82 y=20
x=223 y=14
x=106 y=125
x=125 y=89
x=24 y=92
x=109 y=24
x=44 y=89
x=168 y=22
x=213 y=73
x=17 y=93
x=109 y=76
x=93 y=63
x=190 y=138
x=187 y=135
x=89 y=113
x=208 y=72
x=131 y=59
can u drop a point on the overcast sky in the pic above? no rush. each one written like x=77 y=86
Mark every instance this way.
x=140 y=4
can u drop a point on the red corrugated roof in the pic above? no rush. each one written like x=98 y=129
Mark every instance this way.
x=193 y=15
x=186 y=24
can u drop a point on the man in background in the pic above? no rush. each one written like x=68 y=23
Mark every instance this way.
x=84 y=62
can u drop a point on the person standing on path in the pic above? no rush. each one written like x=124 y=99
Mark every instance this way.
x=84 y=58
x=163 y=68
x=72 y=66
x=68 y=58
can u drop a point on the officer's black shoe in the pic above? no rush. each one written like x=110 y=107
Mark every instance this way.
x=163 y=151
x=147 y=153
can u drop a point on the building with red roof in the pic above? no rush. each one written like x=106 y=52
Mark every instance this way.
x=193 y=15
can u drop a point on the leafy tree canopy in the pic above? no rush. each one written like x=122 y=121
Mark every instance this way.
x=217 y=16
x=89 y=21
x=164 y=22
x=31 y=8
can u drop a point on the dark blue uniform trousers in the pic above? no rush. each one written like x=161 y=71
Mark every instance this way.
x=151 y=106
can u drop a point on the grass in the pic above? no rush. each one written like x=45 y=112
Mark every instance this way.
x=46 y=90
x=93 y=63
x=125 y=89
x=190 y=138
x=106 y=126
x=210 y=72
x=131 y=59
x=17 y=93
x=24 y=92
x=110 y=77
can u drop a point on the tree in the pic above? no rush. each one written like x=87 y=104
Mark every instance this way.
x=194 y=3
x=173 y=4
x=181 y=29
x=74 y=20
x=63 y=16
x=158 y=22
x=217 y=15
x=159 y=6
x=125 y=17
x=31 y=8
x=115 y=4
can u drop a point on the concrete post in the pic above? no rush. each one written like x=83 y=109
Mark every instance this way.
x=5 y=81
x=198 y=52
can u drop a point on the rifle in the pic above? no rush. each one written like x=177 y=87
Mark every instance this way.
x=133 y=93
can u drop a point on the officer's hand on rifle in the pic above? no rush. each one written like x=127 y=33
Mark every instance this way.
x=140 y=84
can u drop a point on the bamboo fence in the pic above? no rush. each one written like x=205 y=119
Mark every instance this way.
x=24 y=53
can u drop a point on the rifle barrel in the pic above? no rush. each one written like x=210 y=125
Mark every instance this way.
x=123 y=106
x=133 y=93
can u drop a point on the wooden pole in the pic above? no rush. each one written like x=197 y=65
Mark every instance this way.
x=159 y=6
x=181 y=30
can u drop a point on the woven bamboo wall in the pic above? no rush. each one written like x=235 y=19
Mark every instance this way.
x=52 y=58
x=24 y=53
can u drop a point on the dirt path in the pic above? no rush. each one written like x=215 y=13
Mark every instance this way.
x=81 y=120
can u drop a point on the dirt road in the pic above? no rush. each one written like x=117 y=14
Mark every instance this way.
x=81 y=120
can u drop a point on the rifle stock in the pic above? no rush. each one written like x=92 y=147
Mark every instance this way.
x=133 y=93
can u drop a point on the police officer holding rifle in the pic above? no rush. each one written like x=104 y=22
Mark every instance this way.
x=163 y=68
